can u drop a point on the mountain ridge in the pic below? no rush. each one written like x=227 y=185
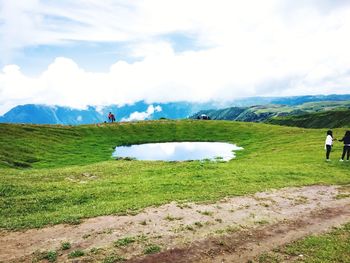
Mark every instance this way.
x=286 y=115
x=53 y=114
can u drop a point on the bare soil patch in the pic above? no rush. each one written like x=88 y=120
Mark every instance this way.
x=231 y=230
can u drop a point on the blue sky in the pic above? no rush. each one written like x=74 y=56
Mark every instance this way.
x=92 y=52
x=91 y=56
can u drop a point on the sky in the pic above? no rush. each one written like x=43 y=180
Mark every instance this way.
x=92 y=52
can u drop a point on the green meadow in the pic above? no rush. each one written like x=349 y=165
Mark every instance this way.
x=61 y=174
x=329 y=247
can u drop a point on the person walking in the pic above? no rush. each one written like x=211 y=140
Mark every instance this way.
x=328 y=144
x=346 y=149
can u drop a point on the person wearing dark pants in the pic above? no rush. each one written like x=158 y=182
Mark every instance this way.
x=328 y=144
x=346 y=149
x=328 y=151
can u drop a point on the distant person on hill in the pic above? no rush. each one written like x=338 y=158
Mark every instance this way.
x=112 y=117
x=328 y=144
x=346 y=149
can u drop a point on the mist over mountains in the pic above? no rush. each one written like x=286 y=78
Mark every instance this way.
x=47 y=114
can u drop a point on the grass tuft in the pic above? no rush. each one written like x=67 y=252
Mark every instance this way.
x=76 y=253
x=65 y=245
x=123 y=242
x=50 y=256
x=151 y=249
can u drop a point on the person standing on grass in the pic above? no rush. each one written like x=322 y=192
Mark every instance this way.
x=328 y=144
x=346 y=149
x=112 y=117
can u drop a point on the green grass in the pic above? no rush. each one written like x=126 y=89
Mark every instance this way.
x=328 y=119
x=65 y=245
x=331 y=247
x=152 y=249
x=113 y=259
x=50 y=256
x=328 y=114
x=70 y=174
x=76 y=253
x=123 y=242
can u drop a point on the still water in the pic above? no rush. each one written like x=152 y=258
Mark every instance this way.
x=178 y=151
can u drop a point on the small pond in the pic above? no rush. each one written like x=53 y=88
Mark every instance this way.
x=178 y=151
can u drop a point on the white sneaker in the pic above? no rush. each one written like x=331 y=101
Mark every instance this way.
x=341 y=160
x=328 y=160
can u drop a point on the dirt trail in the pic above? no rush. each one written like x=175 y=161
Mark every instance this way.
x=231 y=230
x=246 y=245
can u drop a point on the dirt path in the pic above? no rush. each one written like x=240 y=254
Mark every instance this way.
x=245 y=245
x=231 y=230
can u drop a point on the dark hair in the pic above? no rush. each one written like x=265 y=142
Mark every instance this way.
x=329 y=132
x=347 y=134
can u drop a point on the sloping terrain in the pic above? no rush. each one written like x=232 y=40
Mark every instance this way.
x=308 y=115
x=61 y=177
x=327 y=119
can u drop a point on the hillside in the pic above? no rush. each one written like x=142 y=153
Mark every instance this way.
x=273 y=156
x=63 y=175
x=326 y=119
x=279 y=113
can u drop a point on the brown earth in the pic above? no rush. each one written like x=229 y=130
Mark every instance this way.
x=230 y=230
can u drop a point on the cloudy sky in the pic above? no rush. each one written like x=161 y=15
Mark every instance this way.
x=93 y=52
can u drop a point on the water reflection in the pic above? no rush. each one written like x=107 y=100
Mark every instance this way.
x=178 y=151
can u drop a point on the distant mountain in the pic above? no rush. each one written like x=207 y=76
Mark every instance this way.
x=326 y=119
x=42 y=114
x=283 y=114
x=45 y=114
x=298 y=100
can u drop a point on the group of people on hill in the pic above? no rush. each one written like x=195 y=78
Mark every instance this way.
x=329 y=144
x=111 y=117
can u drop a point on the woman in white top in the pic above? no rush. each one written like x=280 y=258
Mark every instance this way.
x=328 y=144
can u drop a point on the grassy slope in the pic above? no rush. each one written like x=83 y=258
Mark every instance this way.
x=330 y=247
x=329 y=119
x=262 y=113
x=57 y=189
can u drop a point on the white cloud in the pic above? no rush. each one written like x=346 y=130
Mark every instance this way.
x=248 y=48
x=140 y=116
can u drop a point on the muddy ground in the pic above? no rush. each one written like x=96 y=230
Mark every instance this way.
x=231 y=230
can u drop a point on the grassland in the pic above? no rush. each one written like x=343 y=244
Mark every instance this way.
x=330 y=247
x=330 y=119
x=56 y=174
x=324 y=114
